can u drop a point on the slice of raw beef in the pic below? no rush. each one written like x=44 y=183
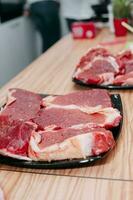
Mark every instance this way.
x=126 y=61
x=93 y=77
x=98 y=66
x=21 y=105
x=88 y=98
x=70 y=143
x=63 y=118
x=126 y=79
x=91 y=54
x=14 y=137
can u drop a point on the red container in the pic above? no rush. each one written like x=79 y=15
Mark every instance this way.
x=119 y=29
x=83 y=30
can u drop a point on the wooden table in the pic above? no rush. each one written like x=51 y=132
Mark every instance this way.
x=111 y=178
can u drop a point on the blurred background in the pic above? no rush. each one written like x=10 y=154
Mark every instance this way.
x=29 y=28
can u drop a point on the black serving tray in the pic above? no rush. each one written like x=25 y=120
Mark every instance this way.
x=74 y=163
x=111 y=87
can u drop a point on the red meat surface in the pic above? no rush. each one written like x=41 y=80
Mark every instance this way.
x=14 y=136
x=82 y=142
x=92 y=52
x=88 y=98
x=126 y=61
x=49 y=138
x=62 y=118
x=126 y=79
x=21 y=105
x=98 y=66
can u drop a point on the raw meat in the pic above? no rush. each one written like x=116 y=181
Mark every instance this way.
x=89 y=98
x=129 y=67
x=63 y=118
x=98 y=66
x=14 y=137
x=92 y=77
x=126 y=79
x=32 y=128
x=92 y=52
x=70 y=143
x=126 y=61
x=21 y=105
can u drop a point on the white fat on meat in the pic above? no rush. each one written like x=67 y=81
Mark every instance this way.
x=50 y=128
x=85 y=109
x=77 y=72
x=115 y=65
x=126 y=79
x=112 y=119
x=47 y=100
x=111 y=113
x=78 y=146
x=113 y=116
x=129 y=81
x=81 y=126
x=107 y=77
x=10 y=98
x=110 y=59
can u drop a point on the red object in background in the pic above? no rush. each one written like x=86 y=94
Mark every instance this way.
x=119 y=29
x=82 y=30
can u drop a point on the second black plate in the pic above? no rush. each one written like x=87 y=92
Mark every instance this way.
x=112 y=87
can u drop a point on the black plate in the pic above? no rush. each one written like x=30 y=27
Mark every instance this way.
x=112 y=87
x=116 y=101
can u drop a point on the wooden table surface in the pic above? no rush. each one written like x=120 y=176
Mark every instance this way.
x=112 y=177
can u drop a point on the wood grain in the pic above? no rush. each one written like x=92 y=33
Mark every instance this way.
x=51 y=73
x=23 y=186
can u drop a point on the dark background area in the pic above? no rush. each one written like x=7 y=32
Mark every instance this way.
x=12 y=10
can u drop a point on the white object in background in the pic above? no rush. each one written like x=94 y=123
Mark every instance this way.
x=1 y=194
x=127 y=26
x=77 y=9
x=111 y=18
x=17 y=47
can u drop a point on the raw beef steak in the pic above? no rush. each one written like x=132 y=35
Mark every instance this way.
x=21 y=105
x=126 y=79
x=126 y=60
x=88 y=98
x=63 y=118
x=14 y=137
x=98 y=66
x=91 y=54
x=70 y=143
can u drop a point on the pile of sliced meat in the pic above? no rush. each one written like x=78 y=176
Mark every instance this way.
x=74 y=125
x=99 y=67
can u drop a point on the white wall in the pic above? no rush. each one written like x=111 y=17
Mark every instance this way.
x=20 y=44
x=17 y=47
